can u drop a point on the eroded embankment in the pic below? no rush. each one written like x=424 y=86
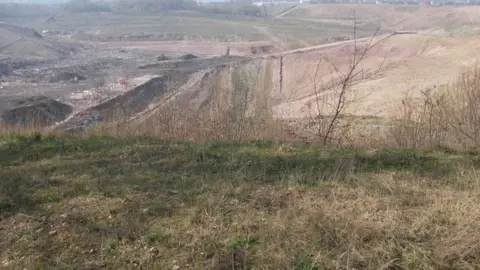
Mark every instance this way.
x=127 y=104
x=243 y=87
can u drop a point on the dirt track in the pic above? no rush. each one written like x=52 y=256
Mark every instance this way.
x=285 y=12
x=318 y=47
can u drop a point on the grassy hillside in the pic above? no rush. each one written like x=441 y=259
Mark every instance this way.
x=125 y=203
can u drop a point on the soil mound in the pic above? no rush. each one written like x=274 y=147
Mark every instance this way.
x=188 y=56
x=37 y=110
x=25 y=43
x=266 y=49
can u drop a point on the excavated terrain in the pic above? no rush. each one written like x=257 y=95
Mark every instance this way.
x=262 y=79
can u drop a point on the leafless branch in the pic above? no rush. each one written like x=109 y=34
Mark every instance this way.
x=341 y=84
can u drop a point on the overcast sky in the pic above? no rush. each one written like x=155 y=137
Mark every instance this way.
x=34 y=1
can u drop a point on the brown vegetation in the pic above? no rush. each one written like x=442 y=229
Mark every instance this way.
x=442 y=117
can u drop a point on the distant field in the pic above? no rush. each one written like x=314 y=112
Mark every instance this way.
x=302 y=26
x=118 y=25
x=193 y=25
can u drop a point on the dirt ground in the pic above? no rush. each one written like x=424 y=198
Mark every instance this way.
x=404 y=64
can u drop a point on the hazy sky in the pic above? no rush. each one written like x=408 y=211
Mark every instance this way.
x=34 y=1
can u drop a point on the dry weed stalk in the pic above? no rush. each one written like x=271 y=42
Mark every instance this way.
x=464 y=108
x=27 y=129
x=422 y=122
x=223 y=115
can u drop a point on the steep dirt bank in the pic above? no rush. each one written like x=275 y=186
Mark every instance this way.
x=243 y=89
x=126 y=105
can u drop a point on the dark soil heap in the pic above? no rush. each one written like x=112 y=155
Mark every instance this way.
x=37 y=110
x=66 y=77
x=266 y=49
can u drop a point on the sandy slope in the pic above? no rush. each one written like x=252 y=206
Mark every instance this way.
x=412 y=63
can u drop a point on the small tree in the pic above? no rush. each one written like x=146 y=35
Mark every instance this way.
x=331 y=100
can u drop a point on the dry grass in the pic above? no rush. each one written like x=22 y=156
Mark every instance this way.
x=93 y=202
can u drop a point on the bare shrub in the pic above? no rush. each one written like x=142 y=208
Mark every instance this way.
x=331 y=100
x=179 y=121
x=440 y=117
x=464 y=108
x=421 y=122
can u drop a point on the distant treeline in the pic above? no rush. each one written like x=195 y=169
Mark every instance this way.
x=79 y=6
x=154 y=5
x=233 y=9
x=9 y=10
x=13 y=10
